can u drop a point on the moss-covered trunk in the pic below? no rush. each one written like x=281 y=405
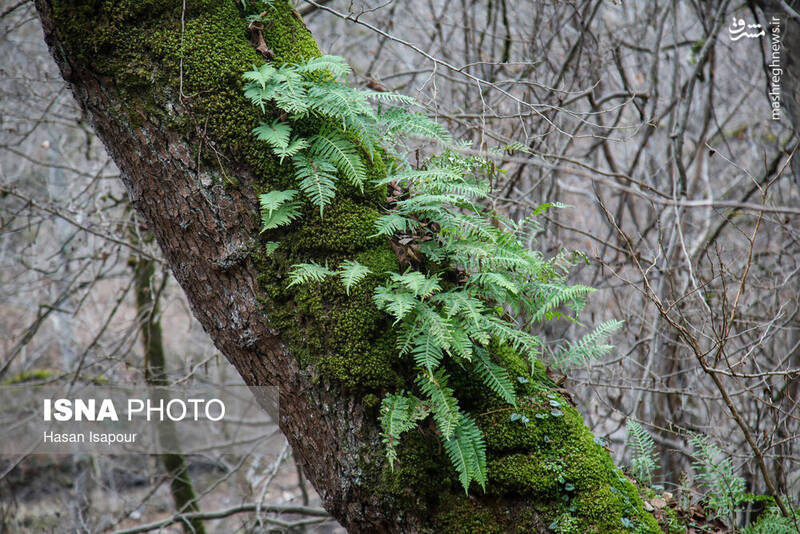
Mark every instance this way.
x=162 y=85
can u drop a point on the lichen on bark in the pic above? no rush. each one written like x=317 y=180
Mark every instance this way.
x=182 y=69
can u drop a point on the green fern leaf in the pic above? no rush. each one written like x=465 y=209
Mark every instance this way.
x=351 y=272
x=444 y=405
x=316 y=179
x=303 y=273
x=589 y=347
x=260 y=76
x=466 y=450
x=643 y=458
x=277 y=209
x=340 y=152
x=427 y=353
x=409 y=122
x=393 y=223
x=270 y=247
x=336 y=65
x=293 y=148
x=398 y=414
x=275 y=134
x=397 y=303
x=420 y=285
x=495 y=377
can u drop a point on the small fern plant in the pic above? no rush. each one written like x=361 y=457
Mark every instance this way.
x=643 y=458
x=726 y=489
x=439 y=211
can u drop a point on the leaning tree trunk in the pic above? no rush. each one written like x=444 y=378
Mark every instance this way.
x=161 y=81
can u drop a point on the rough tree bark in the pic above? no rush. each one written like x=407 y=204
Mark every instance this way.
x=161 y=82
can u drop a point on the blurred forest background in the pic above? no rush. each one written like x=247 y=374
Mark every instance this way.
x=645 y=118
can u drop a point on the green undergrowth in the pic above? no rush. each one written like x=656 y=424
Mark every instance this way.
x=545 y=470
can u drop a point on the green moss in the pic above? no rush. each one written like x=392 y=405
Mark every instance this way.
x=419 y=476
x=34 y=375
x=345 y=229
x=465 y=517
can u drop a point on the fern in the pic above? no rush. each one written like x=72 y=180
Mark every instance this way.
x=275 y=134
x=438 y=321
x=351 y=272
x=340 y=152
x=590 y=347
x=278 y=209
x=399 y=413
x=270 y=247
x=398 y=304
x=715 y=470
x=467 y=452
x=326 y=64
x=772 y=522
x=303 y=273
x=317 y=179
x=427 y=352
x=495 y=376
x=643 y=458
x=403 y=121
x=444 y=405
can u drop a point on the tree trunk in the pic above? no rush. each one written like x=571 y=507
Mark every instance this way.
x=155 y=373
x=161 y=81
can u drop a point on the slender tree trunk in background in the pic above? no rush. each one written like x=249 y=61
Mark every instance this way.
x=156 y=375
x=161 y=81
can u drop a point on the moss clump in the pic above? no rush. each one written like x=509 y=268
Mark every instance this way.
x=34 y=375
x=346 y=228
x=465 y=515
x=420 y=478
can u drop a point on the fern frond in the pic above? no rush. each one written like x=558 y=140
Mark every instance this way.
x=351 y=272
x=715 y=469
x=592 y=346
x=340 y=102
x=397 y=303
x=408 y=122
x=270 y=247
x=260 y=76
x=336 y=65
x=460 y=303
x=335 y=148
x=494 y=282
x=292 y=149
x=643 y=457
x=288 y=91
x=444 y=405
x=275 y=134
x=398 y=413
x=417 y=283
x=316 y=176
x=467 y=452
x=303 y=273
x=393 y=223
x=552 y=296
x=389 y=97
x=427 y=352
x=277 y=209
x=495 y=377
